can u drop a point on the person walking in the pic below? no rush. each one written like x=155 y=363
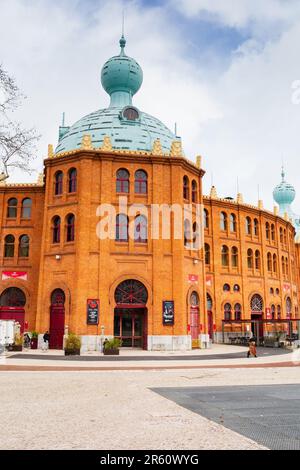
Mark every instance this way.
x=104 y=343
x=252 y=348
x=46 y=339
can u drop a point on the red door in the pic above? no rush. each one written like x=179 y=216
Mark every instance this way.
x=210 y=324
x=57 y=326
x=194 y=314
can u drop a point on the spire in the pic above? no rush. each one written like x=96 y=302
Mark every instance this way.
x=282 y=173
x=122 y=40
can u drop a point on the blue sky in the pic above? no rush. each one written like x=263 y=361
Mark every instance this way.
x=223 y=70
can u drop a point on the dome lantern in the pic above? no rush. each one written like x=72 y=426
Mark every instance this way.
x=121 y=77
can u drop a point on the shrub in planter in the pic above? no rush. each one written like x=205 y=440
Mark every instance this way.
x=72 y=345
x=18 y=343
x=34 y=340
x=111 y=347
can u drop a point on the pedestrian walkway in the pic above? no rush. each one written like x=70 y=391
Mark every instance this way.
x=220 y=356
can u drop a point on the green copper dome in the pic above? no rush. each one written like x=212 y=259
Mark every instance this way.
x=284 y=193
x=128 y=127
x=121 y=73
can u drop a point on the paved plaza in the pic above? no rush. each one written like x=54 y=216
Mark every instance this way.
x=143 y=405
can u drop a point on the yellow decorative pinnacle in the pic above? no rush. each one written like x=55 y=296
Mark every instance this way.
x=86 y=143
x=240 y=199
x=40 y=180
x=176 y=148
x=260 y=204
x=107 y=145
x=157 y=148
x=275 y=210
x=198 y=161
x=50 y=151
x=213 y=193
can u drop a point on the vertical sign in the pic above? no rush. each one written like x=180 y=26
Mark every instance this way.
x=93 y=311
x=168 y=312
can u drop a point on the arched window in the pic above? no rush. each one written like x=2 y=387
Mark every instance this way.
x=273 y=232
x=70 y=227
x=187 y=233
x=26 y=208
x=234 y=257
x=122 y=228
x=256 y=303
x=250 y=258
x=288 y=307
x=24 y=246
x=131 y=291
x=267 y=231
x=194 y=191
x=72 y=182
x=237 y=312
x=227 y=312
x=281 y=234
x=12 y=207
x=122 y=185
x=277 y=291
x=257 y=260
x=140 y=229
x=269 y=262
x=208 y=303
x=286 y=266
x=194 y=299
x=273 y=312
x=274 y=263
x=9 y=246
x=196 y=236
x=271 y=290
x=207 y=253
x=223 y=221
x=186 y=188
x=12 y=297
x=236 y=288
x=283 y=265
x=232 y=223
x=278 y=312
x=56 y=230
x=225 y=255
x=58 y=183
x=284 y=237
x=248 y=226
x=206 y=218
x=140 y=182
x=256 y=228
x=226 y=288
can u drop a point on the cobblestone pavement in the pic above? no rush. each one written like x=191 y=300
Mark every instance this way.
x=118 y=409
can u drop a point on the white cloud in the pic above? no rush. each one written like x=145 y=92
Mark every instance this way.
x=243 y=122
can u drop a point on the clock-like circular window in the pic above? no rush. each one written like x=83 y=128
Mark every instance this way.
x=131 y=114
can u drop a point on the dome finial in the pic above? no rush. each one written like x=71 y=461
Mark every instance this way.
x=122 y=40
x=282 y=173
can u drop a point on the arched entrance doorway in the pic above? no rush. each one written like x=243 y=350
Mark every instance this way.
x=257 y=310
x=194 y=319
x=130 y=319
x=12 y=303
x=210 y=321
x=57 y=319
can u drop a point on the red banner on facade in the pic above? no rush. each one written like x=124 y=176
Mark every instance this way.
x=193 y=278
x=268 y=314
x=22 y=275
x=209 y=281
x=286 y=288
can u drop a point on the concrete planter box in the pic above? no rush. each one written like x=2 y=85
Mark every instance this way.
x=72 y=352
x=111 y=352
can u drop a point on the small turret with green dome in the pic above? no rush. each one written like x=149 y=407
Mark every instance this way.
x=128 y=127
x=284 y=194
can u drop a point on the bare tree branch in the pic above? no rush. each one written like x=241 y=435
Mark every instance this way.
x=17 y=145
